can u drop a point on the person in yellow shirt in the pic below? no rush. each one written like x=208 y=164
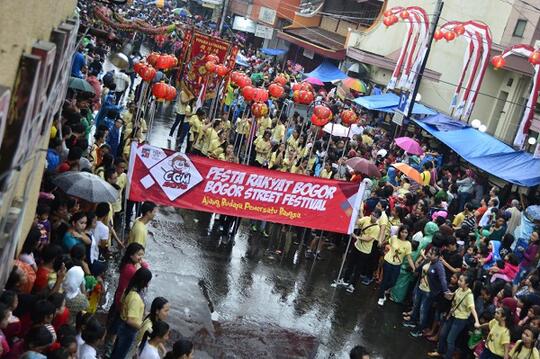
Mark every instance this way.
x=461 y=309
x=211 y=140
x=262 y=149
x=292 y=142
x=277 y=157
x=264 y=123
x=195 y=130
x=139 y=231
x=360 y=262
x=399 y=248
x=498 y=339
x=278 y=132
x=468 y=211
x=131 y=312
x=426 y=174
x=288 y=161
x=326 y=172
x=524 y=348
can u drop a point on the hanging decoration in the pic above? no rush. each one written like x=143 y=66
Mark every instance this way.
x=528 y=115
x=275 y=90
x=163 y=91
x=280 y=79
x=475 y=62
x=414 y=46
x=259 y=109
x=118 y=22
x=348 y=117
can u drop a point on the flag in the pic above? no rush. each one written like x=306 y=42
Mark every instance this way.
x=202 y=96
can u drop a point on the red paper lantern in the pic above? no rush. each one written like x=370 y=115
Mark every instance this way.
x=275 y=90
x=260 y=95
x=248 y=92
x=438 y=35
x=534 y=59
x=348 y=117
x=459 y=29
x=171 y=93
x=296 y=86
x=235 y=76
x=259 y=109
x=160 y=90
x=137 y=68
x=394 y=19
x=212 y=58
x=306 y=86
x=449 y=35
x=320 y=122
x=210 y=66
x=404 y=14
x=305 y=97
x=296 y=96
x=498 y=62
x=148 y=73
x=243 y=81
x=280 y=79
x=388 y=13
x=222 y=70
x=387 y=22
x=322 y=111
x=152 y=58
x=161 y=62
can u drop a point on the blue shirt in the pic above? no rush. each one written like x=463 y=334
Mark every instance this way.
x=69 y=241
x=78 y=63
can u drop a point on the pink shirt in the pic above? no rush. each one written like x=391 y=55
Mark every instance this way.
x=125 y=276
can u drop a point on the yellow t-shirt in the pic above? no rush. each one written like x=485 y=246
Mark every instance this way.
x=211 y=141
x=398 y=251
x=262 y=150
x=132 y=307
x=366 y=140
x=465 y=299
x=383 y=221
x=138 y=233
x=326 y=174
x=497 y=338
x=242 y=126
x=424 y=285
x=458 y=219
x=264 y=124
x=121 y=182
x=278 y=132
x=426 y=178
x=195 y=128
x=524 y=353
x=372 y=231
x=292 y=144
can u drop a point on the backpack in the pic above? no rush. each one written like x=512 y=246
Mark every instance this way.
x=108 y=78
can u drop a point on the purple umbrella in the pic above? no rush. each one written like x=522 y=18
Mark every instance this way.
x=409 y=145
x=361 y=165
x=314 y=81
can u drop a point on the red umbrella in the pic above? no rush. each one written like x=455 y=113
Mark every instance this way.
x=361 y=165
x=409 y=145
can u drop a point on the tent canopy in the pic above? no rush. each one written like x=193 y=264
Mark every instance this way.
x=388 y=102
x=327 y=72
x=484 y=151
x=242 y=60
x=272 y=52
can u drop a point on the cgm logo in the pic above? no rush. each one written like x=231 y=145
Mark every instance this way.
x=179 y=175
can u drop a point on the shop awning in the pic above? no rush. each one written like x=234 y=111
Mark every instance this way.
x=320 y=41
x=484 y=151
x=388 y=102
x=327 y=72
x=273 y=52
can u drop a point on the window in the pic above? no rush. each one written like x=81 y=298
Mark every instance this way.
x=519 y=30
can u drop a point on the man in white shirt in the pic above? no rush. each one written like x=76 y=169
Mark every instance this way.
x=100 y=239
x=92 y=334
x=122 y=82
x=493 y=204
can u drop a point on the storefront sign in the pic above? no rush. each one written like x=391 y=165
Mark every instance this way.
x=244 y=24
x=264 y=31
x=174 y=179
x=267 y=15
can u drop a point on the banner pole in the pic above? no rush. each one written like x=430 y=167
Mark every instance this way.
x=131 y=165
x=252 y=139
x=343 y=260
x=346 y=141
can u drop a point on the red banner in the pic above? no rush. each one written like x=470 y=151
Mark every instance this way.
x=195 y=73
x=174 y=179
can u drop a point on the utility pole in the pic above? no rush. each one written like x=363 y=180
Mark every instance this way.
x=223 y=16
x=434 y=23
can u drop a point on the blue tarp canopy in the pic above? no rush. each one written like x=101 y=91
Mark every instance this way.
x=327 y=72
x=484 y=151
x=388 y=102
x=272 y=52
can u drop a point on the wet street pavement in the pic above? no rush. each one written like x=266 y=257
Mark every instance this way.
x=248 y=301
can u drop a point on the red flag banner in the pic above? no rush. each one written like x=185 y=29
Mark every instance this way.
x=174 y=179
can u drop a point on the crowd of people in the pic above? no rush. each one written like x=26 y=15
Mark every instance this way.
x=460 y=255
